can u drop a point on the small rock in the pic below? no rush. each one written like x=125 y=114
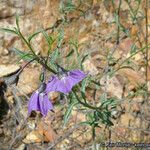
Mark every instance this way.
x=21 y=147
x=8 y=69
x=125 y=119
x=113 y=83
x=90 y=67
x=6 y=12
x=33 y=137
x=29 y=80
x=53 y=96
x=31 y=124
x=5 y=52
x=134 y=77
x=16 y=3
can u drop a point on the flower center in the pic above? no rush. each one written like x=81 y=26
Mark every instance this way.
x=62 y=74
x=42 y=87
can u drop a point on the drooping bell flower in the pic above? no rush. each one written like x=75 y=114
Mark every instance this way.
x=39 y=101
x=65 y=80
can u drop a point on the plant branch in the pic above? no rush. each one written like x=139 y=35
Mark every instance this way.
x=146 y=43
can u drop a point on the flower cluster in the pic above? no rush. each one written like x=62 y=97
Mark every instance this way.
x=63 y=82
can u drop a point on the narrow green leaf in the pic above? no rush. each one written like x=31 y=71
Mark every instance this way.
x=17 y=51
x=23 y=55
x=17 y=21
x=70 y=53
x=42 y=77
x=54 y=56
x=84 y=84
x=67 y=6
x=27 y=57
x=68 y=112
x=84 y=58
x=34 y=34
x=46 y=37
x=60 y=38
x=133 y=49
x=8 y=30
x=84 y=123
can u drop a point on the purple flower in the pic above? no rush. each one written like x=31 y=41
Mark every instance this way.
x=65 y=81
x=39 y=101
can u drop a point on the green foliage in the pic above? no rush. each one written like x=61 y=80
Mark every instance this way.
x=49 y=39
x=34 y=34
x=15 y=31
x=110 y=102
x=67 y=6
x=41 y=78
x=53 y=57
x=23 y=55
x=133 y=49
x=104 y=116
x=70 y=53
x=8 y=31
x=75 y=46
x=17 y=22
x=139 y=91
x=60 y=38
x=134 y=11
x=68 y=111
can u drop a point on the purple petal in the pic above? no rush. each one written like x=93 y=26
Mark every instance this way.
x=52 y=84
x=66 y=83
x=45 y=104
x=77 y=75
x=72 y=79
x=55 y=84
x=33 y=103
x=63 y=85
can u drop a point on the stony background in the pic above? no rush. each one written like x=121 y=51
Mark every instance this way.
x=96 y=33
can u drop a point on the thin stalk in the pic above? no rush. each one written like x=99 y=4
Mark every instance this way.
x=118 y=28
x=133 y=15
x=28 y=44
x=20 y=71
x=93 y=137
x=146 y=42
x=85 y=104
x=37 y=57
x=140 y=50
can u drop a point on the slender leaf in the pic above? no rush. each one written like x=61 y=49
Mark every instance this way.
x=41 y=77
x=68 y=112
x=60 y=38
x=23 y=55
x=83 y=87
x=8 y=30
x=70 y=53
x=49 y=40
x=133 y=49
x=17 y=21
x=33 y=35
x=27 y=57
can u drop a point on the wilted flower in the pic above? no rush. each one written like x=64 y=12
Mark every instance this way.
x=65 y=80
x=39 y=101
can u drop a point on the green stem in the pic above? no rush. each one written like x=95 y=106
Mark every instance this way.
x=85 y=104
x=140 y=50
x=118 y=28
x=93 y=136
x=37 y=57
x=28 y=44
x=146 y=42
x=25 y=66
